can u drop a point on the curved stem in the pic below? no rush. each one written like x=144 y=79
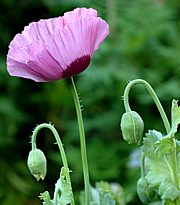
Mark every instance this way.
x=59 y=143
x=82 y=142
x=153 y=95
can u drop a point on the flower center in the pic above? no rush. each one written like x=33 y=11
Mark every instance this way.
x=77 y=66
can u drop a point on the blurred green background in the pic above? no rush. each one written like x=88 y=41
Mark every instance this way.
x=143 y=43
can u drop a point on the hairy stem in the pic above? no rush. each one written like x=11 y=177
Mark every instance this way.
x=59 y=143
x=82 y=142
x=153 y=95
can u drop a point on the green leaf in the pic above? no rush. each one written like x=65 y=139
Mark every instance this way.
x=114 y=189
x=175 y=115
x=104 y=194
x=149 y=141
x=63 y=191
x=46 y=198
x=175 y=118
x=105 y=198
x=164 y=146
x=159 y=172
x=168 y=202
x=168 y=190
x=101 y=198
x=144 y=191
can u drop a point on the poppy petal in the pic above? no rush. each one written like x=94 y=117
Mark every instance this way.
x=56 y=48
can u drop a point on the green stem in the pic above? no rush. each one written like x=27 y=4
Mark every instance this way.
x=175 y=165
x=142 y=165
x=153 y=95
x=59 y=143
x=82 y=142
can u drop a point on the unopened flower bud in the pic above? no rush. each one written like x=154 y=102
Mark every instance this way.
x=37 y=164
x=144 y=191
x=132 y=127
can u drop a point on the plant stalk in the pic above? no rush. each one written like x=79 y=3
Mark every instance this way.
x=60 y=146
x=82 y=143
x=153 y=95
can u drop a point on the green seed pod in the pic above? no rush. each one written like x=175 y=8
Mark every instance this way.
x=144 y=191
x=37 y=164
x=132 y=127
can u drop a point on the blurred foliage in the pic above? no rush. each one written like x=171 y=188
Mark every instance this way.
x=143 y=43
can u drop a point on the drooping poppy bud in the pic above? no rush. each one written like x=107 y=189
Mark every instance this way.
x=37 y=164
x=132 y=127
x=144 y=191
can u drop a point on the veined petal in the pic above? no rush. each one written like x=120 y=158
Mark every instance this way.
x=42 y=30
x=78 y=13
x=49 y=68
x=77 y=39
x=102 y=31
x=25 y=53
x=56 y=48
x=19 y=41
x=23 y=70
x=43 y=68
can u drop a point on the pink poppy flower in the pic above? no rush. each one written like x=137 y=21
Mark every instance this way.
x=56 y=48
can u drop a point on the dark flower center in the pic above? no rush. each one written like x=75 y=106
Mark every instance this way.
x=77 y=66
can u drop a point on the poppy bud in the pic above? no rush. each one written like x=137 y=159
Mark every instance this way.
x=144 y=191
x=132 y=127
x=37 y=164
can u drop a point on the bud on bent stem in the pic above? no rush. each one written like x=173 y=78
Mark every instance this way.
x=154 y=97
x=132 y=127
x=37 y=164
x=37 y=161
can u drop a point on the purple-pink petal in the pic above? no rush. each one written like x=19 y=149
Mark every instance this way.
x=78 y=13
x=56 y=48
